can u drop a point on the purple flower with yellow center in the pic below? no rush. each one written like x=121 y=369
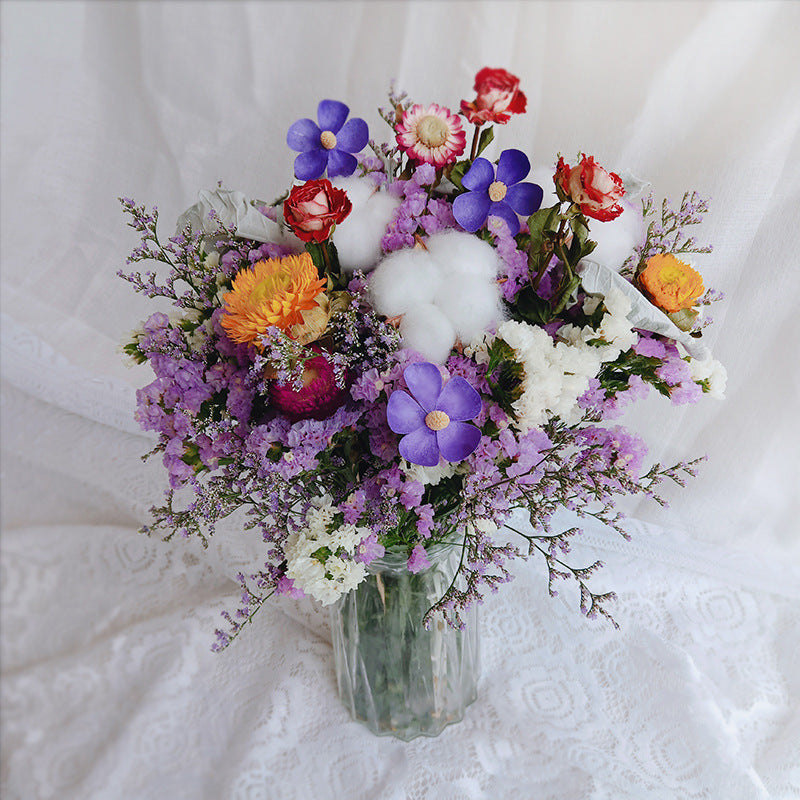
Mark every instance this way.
x=330 y=144
x=433 y=419
x=499 y=194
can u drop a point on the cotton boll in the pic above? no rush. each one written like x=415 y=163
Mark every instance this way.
x=463 y=254
x=404 y=280
x=358 y=190
x=471 y=303
x=425 y=329
x=358 y=237
x=617 y=238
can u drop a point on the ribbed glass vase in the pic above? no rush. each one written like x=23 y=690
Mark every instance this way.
x=396 y=677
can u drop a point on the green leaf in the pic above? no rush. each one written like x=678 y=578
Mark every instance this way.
x=314 y=249
x=543 y=225
x=581 y=245
x=487 y=137
x=458 y=171
x=559 y=302
x=531 y=308
x=545 y=220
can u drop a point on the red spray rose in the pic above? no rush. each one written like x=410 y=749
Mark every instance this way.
x=313 y=208
x=595 y=190
x=498 y=97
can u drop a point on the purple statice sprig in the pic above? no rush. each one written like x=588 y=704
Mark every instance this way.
x=551 y=547
x=399 y=103
x=582 y=467
x=192 y=280
x=666 y=231
x=361 y=338
x=420 y=213
x=255 y=590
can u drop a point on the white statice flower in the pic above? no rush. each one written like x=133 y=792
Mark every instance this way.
x=444 y=292
x=320 y=515
x=428 y=476
x=712 y=374
x=615 y=333
x=556 y=374
x=328 y=579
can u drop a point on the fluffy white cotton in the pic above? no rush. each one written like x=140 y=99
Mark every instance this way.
x=471 y=303
x=459 y=253
x=445 y=292
x=404 y=280
x=617 y=238
x=427 y=330
x=359 y=190
x=358 y=237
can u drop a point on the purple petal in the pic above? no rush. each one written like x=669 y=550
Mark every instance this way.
x=512 y=167
x=403 y=413
x=310 y=165
x=419 y=446
x=470 y=210
x=340 y=163
x=331 y=115
x=457 y=440
x=478 y=177
x=505 y=212
x=524 y=198
x=425 y=382
x=459 y=400
x=303 y=135
x=353 y=136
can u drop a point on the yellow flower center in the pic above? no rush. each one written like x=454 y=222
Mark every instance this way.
x=497 y=191
x=670 y=283
x=432 y=131
x=327 y=139
x=437 y=420
x=270 y=286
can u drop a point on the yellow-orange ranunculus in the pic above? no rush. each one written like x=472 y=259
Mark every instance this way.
x=670 y=283
x=275 y=291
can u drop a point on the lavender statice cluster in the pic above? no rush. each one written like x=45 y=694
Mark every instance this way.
x=666 y=230
x=420 y=212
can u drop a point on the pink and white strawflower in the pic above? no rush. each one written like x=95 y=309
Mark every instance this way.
x=432 y=135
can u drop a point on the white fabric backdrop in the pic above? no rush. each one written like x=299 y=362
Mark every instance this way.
x=109 y=688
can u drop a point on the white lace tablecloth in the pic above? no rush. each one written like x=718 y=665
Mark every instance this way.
x=109 y=687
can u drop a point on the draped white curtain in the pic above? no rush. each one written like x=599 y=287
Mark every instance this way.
x=109 y=688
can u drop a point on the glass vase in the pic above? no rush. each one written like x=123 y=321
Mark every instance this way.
x=394 y=675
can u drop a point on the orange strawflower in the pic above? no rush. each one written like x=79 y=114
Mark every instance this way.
x=274 y=291
x=670 y=283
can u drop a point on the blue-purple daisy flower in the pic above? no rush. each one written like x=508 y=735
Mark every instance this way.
x=434 y=420
x=328 y=145
x=499 y=194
